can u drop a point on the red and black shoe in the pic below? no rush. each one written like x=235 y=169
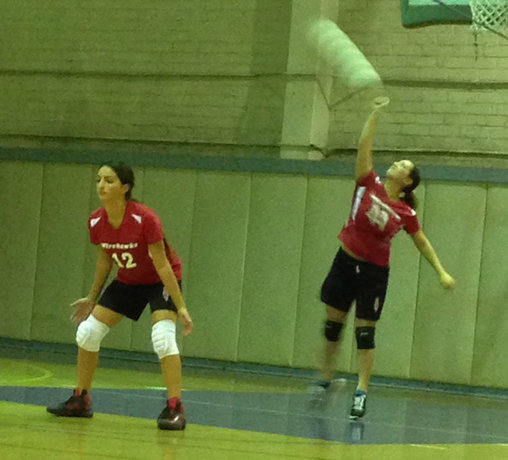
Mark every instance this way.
x=172 y=416
x=78 y=405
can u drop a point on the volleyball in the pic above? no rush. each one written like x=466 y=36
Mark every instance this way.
x=343 y=58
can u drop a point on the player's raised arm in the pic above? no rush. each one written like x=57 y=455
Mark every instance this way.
x=364 y=164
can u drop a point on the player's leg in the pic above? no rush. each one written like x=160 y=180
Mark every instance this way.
x=164 y=342
x=373 y=281
x=89 y=336
x=337 y=292
x=335 y=320
x=164 y=319
x=117 y=301
x=365 y=332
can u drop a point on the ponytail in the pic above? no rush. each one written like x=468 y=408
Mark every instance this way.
x=409 y=198
x=408 y=195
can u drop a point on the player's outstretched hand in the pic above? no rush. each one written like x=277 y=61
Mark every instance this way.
x=82 y=309
x=380 y=102
x=186 y=320
x=447 y=281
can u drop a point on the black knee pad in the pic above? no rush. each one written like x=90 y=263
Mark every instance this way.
x=365 y=338
x=333 y=330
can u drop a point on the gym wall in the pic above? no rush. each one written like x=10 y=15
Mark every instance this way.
x=256 y=247
x=189 y=78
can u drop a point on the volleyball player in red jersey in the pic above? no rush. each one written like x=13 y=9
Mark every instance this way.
x=361 y=267
x=129 y=235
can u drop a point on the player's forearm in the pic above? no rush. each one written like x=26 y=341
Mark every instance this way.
x=429 y=253
x=369 y=128
x=364 y=154
x=102 y=271
x=170 y=282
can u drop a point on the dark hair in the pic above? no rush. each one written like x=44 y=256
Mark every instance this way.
x=124 y=173
x=408 y=195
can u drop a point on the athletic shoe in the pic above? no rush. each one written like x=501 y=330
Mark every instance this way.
x=359 y=406
x=78 y=405
x=172 y=416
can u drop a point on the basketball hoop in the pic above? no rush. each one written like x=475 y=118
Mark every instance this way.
x=489 y=15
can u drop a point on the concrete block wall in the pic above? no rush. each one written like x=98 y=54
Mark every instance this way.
x=215 y=74
x=174 y=71
x=448 y=94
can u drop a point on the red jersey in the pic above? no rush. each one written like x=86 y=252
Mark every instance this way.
x=375 y=220
x=128 y=244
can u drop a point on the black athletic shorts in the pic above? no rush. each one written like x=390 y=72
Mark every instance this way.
x=352 y=280
x=130 y=299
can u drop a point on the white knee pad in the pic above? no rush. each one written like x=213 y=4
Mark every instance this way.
x=164 y=339
x=90 y=334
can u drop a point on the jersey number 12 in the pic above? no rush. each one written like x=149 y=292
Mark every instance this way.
x=127 y=260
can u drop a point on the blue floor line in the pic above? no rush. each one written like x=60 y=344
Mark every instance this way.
x=391 y=419
x=262 y=369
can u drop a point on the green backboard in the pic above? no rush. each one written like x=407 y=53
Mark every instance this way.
x=417 y=13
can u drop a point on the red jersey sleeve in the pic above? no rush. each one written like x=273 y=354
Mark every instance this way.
x=368 y=180
x=93 y=220
x=93 y=236
x=152 y=228
x=411 y=223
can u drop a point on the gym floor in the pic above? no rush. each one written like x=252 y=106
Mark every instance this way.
x=234 y=414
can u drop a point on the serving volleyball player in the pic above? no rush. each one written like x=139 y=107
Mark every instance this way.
x=130 y=235
x=360 y=270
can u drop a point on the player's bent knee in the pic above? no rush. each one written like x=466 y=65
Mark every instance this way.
x=164 y=338
x=333 y=330
x=365 y=338
x=90 y=334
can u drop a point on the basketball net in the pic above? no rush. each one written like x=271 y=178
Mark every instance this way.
x=489 y=15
